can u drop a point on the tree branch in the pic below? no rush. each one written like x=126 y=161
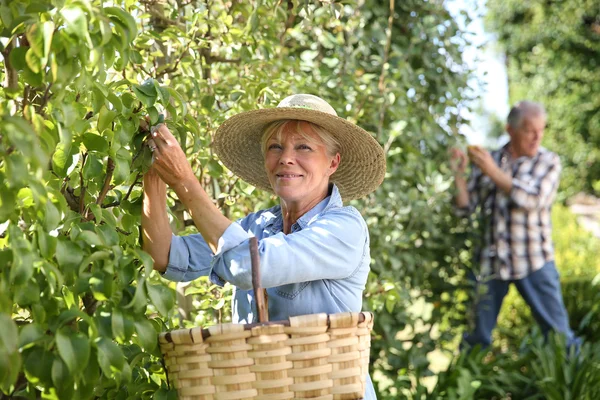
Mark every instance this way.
x=90 y=303
x=116 y=203
x=110 y=168
x=69 y=194
x=44 y=100
x=11 y=81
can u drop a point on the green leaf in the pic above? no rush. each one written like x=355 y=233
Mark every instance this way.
x=9 y=334
x=215 y=169
x=109 y=355
x=62 y=378
x=161 y=297
x=108 y=235
x=52 y=217
x=122 y=163
x=105 y=119
x=146 y=260
x=94 y=142
x=93 y=167
x=33 y=62
x=38 y=364
x=97 y=211
x=63 y=159
x=117 y=15
x=74 y=349
x=68 y=254
x=17 y=57
x=147 y=334
x=139 y=300
x=118 y=325
x=90 y=238
x=47 y=32
x=10 y=358
x=35 y=39
x=16 y=169
x=76 y=23
x=30 y=334
x=22 y=267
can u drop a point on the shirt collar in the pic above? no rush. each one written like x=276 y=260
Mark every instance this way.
x=505 y=152
x=333 y=200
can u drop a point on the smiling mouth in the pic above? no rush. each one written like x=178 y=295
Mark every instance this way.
x=288 y=176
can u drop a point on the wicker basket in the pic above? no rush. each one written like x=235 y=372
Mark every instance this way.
x=315 y=356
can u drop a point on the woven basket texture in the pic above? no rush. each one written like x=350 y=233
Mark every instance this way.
x=317 y=356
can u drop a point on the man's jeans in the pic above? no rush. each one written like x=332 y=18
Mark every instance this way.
x=540 y=290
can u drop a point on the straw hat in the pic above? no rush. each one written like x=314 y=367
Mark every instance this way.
x=238 y=145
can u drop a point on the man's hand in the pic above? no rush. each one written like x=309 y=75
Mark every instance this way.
x=483 y=159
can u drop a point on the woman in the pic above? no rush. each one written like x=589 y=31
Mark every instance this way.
x=314 y=252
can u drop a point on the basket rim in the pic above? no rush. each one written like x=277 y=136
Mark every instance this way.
x=167 y=336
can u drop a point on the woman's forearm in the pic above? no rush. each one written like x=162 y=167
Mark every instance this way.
x=209 y=220
x=156 y=230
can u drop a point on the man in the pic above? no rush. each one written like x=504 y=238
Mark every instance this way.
x=513 y=189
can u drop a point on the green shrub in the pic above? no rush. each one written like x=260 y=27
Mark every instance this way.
x=542 y=369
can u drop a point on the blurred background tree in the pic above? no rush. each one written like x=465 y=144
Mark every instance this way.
x=553 y=57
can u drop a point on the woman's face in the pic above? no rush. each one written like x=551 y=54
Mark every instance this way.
x=299 y=169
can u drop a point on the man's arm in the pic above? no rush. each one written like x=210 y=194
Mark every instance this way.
x=458 y=164
x=484 y=160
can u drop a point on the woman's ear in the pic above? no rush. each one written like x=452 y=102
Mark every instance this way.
x=335 y=163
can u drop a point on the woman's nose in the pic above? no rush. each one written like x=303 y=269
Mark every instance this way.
x=287 y=156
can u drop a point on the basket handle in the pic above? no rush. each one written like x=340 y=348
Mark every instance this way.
x=259 y=292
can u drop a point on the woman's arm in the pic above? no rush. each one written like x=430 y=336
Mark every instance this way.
x=331 y=247
x=156 y=231
x=173 y=168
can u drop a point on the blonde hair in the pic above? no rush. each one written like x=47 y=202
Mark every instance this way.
x=332 y=146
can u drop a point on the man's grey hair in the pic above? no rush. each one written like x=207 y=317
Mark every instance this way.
x=524 y=109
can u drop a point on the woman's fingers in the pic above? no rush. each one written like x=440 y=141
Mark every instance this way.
x=162 y=135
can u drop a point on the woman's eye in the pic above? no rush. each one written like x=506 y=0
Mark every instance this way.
x=274 y=146
x=304 y=147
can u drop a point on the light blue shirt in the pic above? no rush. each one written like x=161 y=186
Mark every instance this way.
x=320 y=267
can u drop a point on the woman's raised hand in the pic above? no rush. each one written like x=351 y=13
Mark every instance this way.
x=170 y=161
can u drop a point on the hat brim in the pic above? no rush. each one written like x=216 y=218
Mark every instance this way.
x=238 y=145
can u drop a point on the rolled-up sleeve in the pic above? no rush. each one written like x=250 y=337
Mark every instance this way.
x=331 y=247
x=189 y=258
x=537 y=190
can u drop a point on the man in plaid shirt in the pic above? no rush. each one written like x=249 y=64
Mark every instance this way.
x=513 y=189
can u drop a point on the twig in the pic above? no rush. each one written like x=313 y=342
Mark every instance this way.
x=122 y=231
x=110 y=168
x=45 y=99
x=72 y=199
x=116 y=203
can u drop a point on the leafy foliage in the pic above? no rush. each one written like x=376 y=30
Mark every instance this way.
x=79 y=303
x=541 y=370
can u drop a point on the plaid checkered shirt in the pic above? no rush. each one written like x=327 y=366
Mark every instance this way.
x=517 y=227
